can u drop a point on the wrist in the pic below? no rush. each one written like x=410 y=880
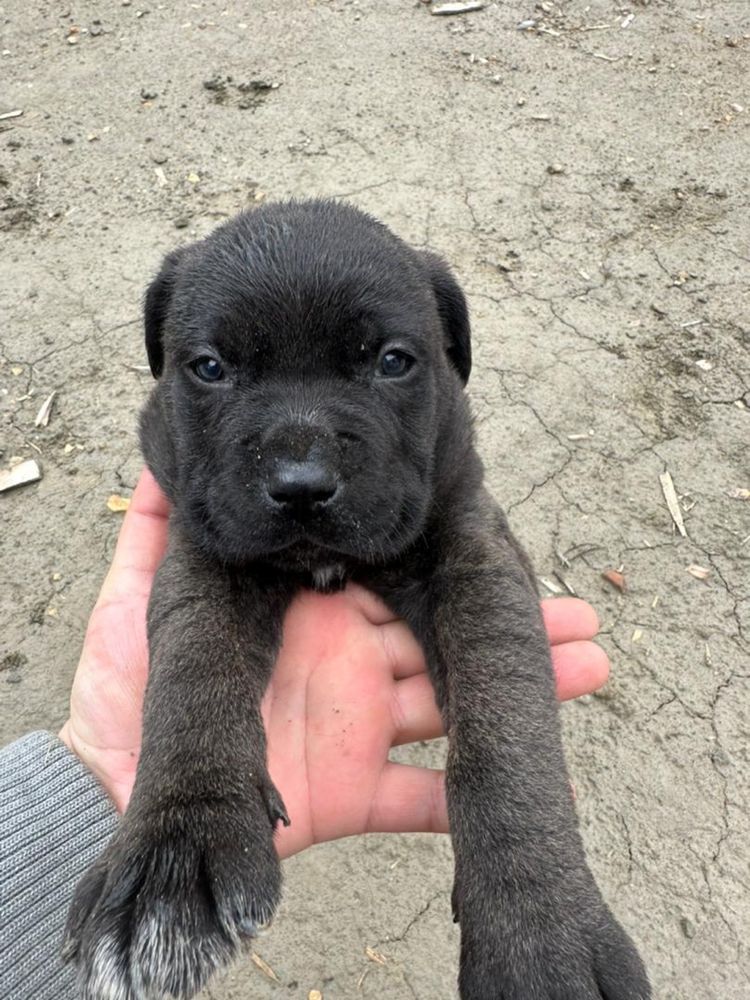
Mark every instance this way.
x=64 y=737
x=96 y=761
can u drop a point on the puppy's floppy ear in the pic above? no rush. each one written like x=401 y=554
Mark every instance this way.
x=453 y=312
x=155 y=310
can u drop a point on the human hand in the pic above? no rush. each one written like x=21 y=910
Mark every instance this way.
x=350 y=683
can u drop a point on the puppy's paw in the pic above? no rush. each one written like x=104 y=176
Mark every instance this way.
x=575 y=953
x=172 y=898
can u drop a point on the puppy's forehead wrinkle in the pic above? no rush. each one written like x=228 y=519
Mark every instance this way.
x=303 y=259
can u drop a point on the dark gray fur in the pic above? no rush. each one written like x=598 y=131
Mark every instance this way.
x=298 y=301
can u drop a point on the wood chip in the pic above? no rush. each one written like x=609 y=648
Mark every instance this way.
x=699 y=572
x=670 y=495
x=375 y=956
x=264 y=967
x=117 y=504
x=161 y=177
x=616 y=578
x=457 y=8
x=739 y=494
x=314 y=995
x=568 y=586
x=637 y=635
x=16 y=113
x=145 y=369
x=19 y=475
x=42 y=417
x=551 y=586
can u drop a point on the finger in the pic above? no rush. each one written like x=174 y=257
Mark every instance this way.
x=566 y=618
x=374 y=610
x=580 y=668
x=148 y=497
x=409 y=800
x=142 y=539
x=403 y=653
x=415 y=712
x=569 y=618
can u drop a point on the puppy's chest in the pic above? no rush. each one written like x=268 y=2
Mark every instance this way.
x=329 y=577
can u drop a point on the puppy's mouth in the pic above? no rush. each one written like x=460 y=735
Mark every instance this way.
x=313 y=534
x=240 y=522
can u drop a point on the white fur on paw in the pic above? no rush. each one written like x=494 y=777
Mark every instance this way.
x=166 y=963
x=106 y=977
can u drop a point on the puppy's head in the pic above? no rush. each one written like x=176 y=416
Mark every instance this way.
x=310 y=368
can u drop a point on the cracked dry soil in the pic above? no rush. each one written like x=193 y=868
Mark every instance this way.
x=587 y=180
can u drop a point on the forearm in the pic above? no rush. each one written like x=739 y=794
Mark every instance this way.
x=54 y=820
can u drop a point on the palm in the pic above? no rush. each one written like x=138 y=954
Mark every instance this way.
x=349 y=684
x=336 y=704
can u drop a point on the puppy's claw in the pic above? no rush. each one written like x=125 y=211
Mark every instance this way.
x=454 y=904
x=69 y=949
x=274 y=805
x=250 y=928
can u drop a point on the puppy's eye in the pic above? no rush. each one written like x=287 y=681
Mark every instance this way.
x=395 y=363
x=208 y=369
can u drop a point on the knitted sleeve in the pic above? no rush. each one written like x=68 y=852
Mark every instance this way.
x=54 y=821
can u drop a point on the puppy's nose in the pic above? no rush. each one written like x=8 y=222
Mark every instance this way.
x=302 y=484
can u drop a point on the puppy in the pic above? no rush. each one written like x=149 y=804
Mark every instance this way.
x=310 y=426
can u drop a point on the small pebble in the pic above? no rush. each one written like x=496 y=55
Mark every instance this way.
x=687 y=927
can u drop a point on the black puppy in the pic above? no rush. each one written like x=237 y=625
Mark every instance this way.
x=310 y=426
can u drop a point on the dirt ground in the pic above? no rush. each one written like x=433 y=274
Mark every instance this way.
x=587 y=178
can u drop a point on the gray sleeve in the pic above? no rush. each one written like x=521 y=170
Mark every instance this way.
x=54 y=821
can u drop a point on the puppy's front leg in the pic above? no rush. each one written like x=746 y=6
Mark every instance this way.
x=192 y=869
x=533 y=924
